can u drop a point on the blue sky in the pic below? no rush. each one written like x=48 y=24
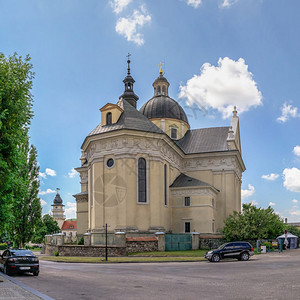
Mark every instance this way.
x=216 y=54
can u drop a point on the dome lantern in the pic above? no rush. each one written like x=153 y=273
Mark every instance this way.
x=161 y=84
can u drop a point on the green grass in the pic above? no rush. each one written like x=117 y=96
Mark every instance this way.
x=188 y=253
x=118 y=259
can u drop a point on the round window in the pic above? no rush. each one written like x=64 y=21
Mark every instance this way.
x=110 y=162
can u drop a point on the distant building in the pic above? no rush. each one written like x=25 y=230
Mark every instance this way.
x=69 y=228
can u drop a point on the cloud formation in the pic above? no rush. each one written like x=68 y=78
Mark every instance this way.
x=194 y=3
x=43 y=202
x=287 y=112
x=49 y=172
x=295 y=201
x=270 y=177
x=70 y=210
x=227 y=3
x=291 y=179
x=119 y=5
x=128 y=27
x=73 y=173
x=296 y=150
x=48 y=191
x=222 y=87
x=249 y=192
x=272 y=204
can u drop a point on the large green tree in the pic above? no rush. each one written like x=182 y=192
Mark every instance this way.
x=253 y=223
x=26 y=208
x=47 y=226
x=15 y=113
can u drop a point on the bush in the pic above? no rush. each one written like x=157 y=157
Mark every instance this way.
x=81 y=241
x=3 y=246
x=56 y=253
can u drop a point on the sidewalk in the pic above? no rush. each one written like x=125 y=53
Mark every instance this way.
x=11 y=288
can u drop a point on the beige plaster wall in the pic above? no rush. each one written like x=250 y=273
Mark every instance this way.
x=181 y=126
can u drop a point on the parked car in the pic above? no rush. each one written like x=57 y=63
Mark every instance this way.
x=239 y=250
x=19 y=260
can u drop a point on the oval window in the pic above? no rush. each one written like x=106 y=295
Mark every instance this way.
x=110 y=163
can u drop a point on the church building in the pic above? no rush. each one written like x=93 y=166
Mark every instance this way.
x=145 y=170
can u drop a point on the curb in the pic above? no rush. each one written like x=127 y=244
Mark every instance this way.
x=26 y=288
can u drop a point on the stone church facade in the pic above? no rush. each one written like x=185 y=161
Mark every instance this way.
x=145 y=170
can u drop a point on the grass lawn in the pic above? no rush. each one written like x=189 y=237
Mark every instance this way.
x=168 y=256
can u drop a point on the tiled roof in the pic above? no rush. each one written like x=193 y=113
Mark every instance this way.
x=185 y=181
x=130 y=119
x=69 y=225
x=204 y=140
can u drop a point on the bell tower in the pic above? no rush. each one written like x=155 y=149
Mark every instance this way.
x=58 y=210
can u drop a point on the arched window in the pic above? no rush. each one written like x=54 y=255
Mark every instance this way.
x=108 y=118
x=142 y=180
x=158 y=90
x=166 y=184
x=163 y=90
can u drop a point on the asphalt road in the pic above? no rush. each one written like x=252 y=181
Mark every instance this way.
x=269 y=276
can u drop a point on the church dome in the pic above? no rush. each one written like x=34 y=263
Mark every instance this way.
x=162 y=106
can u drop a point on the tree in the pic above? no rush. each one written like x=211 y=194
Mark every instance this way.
x=15 y=114
x=47 y=226
x=26 y=205
x=292 y=229
x=253 y=223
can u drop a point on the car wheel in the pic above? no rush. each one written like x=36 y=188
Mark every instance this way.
x=36 y=273
x=245 y=256
x=215 y=258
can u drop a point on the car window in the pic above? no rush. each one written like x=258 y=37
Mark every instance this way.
x=22 y=253
x=5 y=253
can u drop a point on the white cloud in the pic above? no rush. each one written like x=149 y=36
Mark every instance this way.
x=194 y=3
x=50 y=172
x=73 y=173
x=48 y=191
x=295 y=201
x=271 y=176
x=296 y=150
x=128 y=27
x=287 y=111
x=43 y=202
x=272 y=204
x=70 y=210
x=43 y=175
x=119 y=5
x=291 y=179
x=222 y=87
x=249 y=192
x=227 y=3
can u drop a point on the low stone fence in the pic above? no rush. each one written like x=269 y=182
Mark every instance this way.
x=81 y=250
x=210 y=241
x=141 y=244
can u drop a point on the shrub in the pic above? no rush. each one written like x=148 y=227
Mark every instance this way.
x=56 y=253
x=81 y=241
x=3 y=246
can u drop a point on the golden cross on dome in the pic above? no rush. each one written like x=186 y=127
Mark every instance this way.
x=161 y=70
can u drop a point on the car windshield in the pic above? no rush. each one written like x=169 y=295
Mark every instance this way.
x=222 y=246
x=21 y=253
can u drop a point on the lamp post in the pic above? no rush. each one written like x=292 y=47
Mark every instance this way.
x=106 y=242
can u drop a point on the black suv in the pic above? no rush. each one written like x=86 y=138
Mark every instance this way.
x=239 y=250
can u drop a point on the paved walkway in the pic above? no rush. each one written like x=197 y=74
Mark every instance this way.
x=11 y=288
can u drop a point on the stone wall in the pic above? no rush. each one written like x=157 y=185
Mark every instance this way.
x=80 y=250
x=210 y=241
x=141 y=244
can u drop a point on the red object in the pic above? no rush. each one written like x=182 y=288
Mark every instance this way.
x=67 y=225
